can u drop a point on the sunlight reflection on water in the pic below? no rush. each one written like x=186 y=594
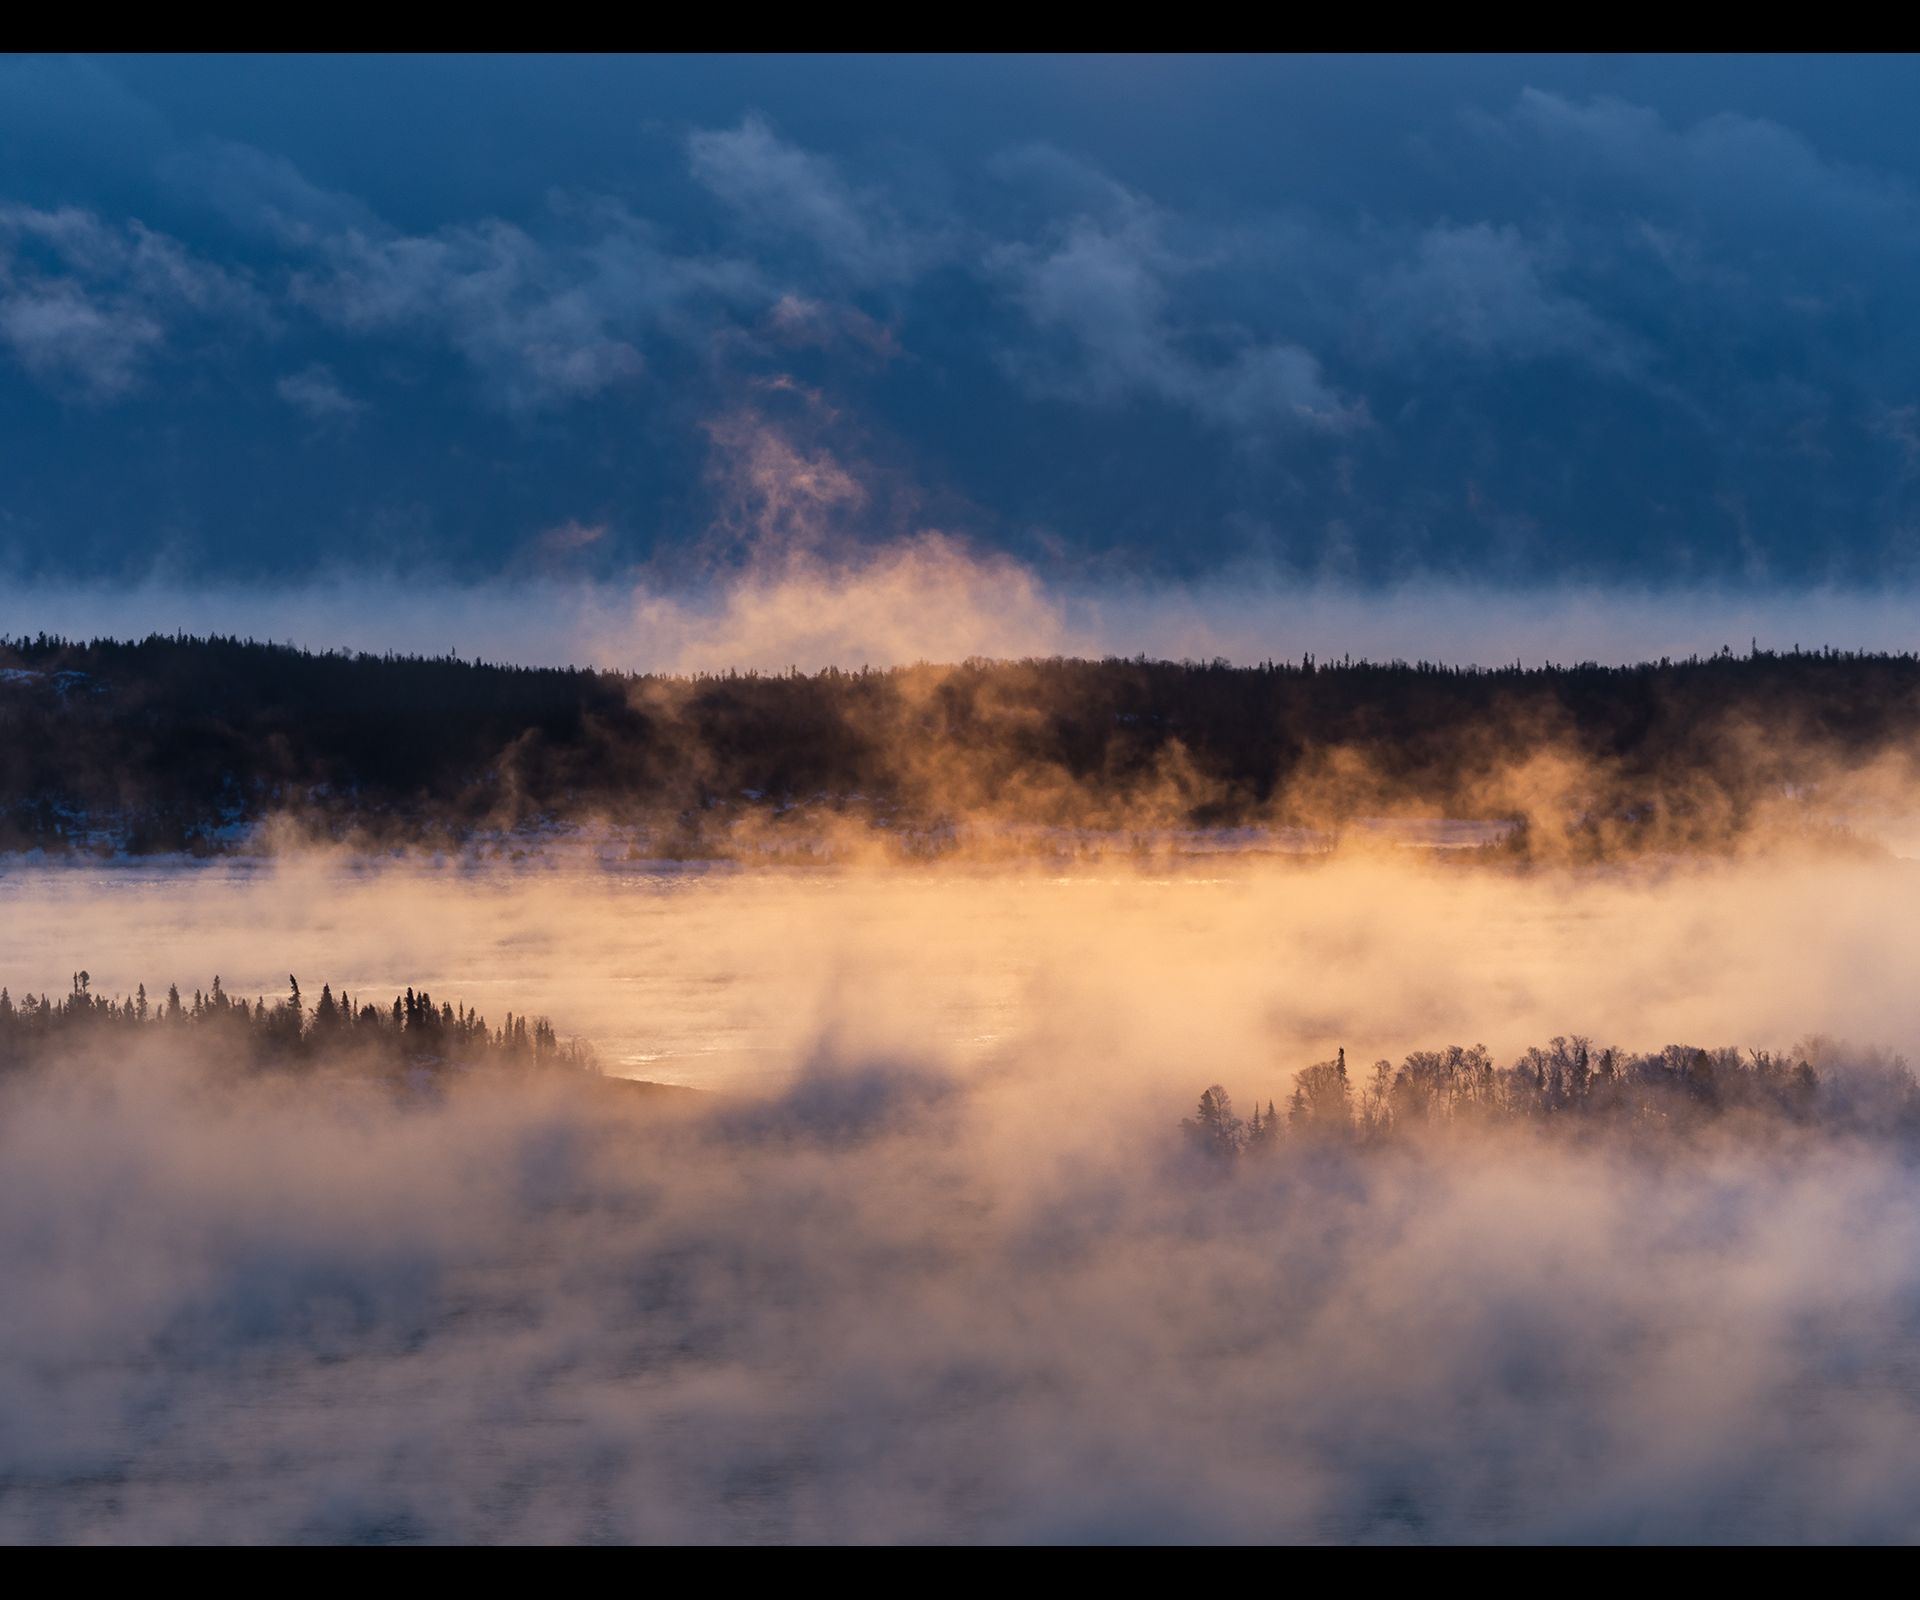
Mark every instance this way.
x=719 y=976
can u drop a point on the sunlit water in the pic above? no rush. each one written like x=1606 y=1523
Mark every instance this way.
x=697 y=975
x=719 y=976
x=1007 y=1312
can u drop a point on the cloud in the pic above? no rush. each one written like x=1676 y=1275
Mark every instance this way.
x=779 y=191
x=62 y=338
x=1583 y=334
x=1728 y=167
x=1099 y=291
x=264 y=193
x=778 y=489
x=316 y=394
x=798 y=322
x=566 y=537
x=542 y=322
x=1481 y=290
x=87 y=304
x=545 y=314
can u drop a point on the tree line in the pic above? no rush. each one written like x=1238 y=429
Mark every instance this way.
x=413 y=1031
x=174 y=743
x=1571 y=1083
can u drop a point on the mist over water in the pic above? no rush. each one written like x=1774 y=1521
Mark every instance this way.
x=720 y=976
x=1061 y=1139
x=931 y=1258
x=935 y=1263
x=930 y=598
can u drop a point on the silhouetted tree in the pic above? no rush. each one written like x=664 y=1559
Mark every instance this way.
x=1216 y=1130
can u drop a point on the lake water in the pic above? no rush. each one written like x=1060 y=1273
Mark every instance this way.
x=941 y=1266
x=719 y=976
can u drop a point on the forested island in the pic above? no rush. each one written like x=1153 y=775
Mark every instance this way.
x=290 y=1033
x=1573 y=1085
x=187 y=744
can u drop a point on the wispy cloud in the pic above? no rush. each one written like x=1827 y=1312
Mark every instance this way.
x=86 y=304
x=1486 y=292
x=316 y=393
x=1099 y=291
x=781 y=191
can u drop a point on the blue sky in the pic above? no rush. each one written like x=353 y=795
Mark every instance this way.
x=1500 y=320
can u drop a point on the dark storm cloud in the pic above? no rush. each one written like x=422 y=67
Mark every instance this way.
x=1546 y=319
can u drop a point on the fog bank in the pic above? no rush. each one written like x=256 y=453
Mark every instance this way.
x=896 y=1303
x=938 y=1263
x=928 y=599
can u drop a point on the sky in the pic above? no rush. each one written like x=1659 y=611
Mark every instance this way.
x=1640 y=321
